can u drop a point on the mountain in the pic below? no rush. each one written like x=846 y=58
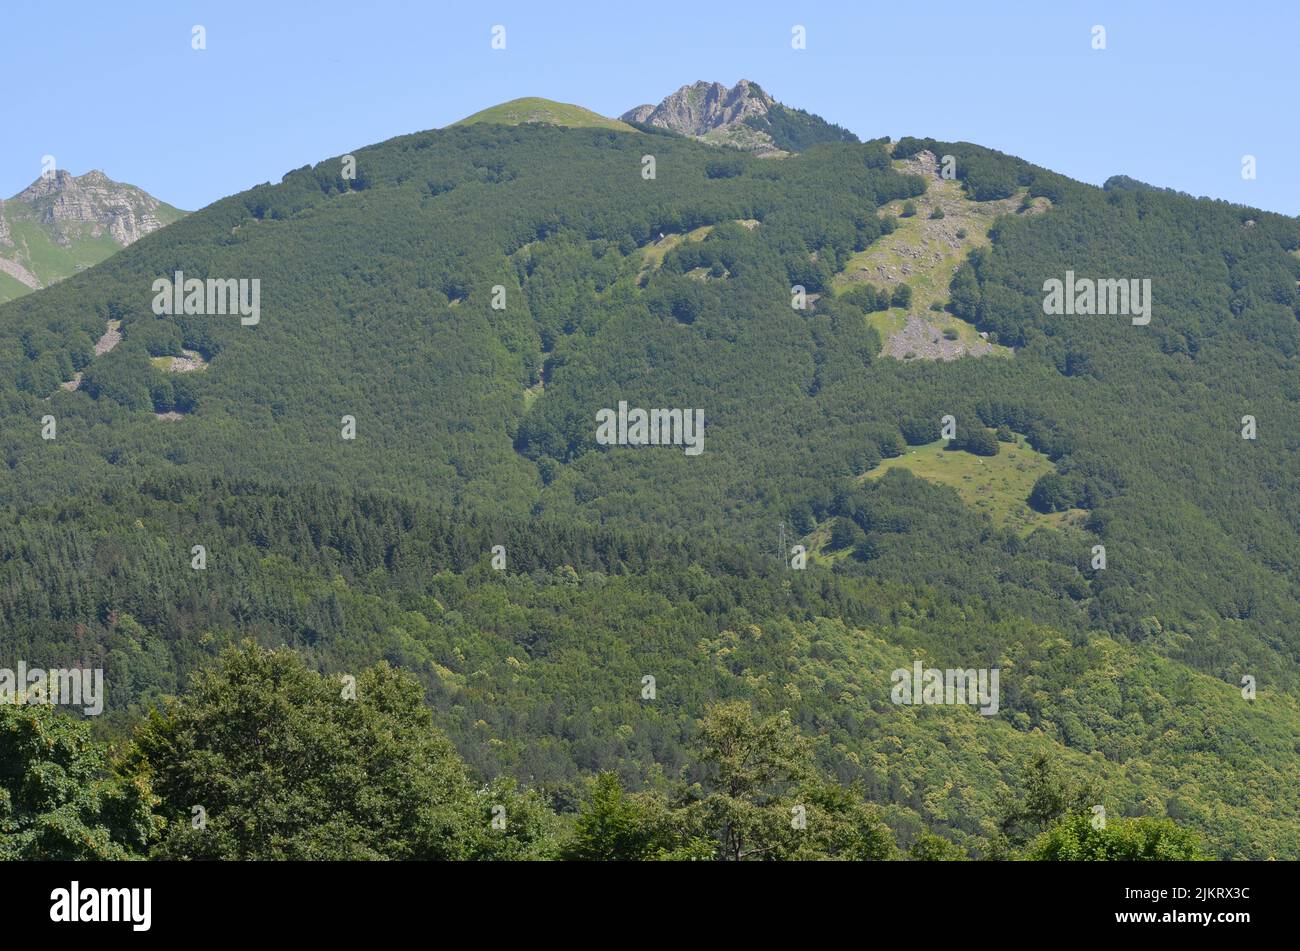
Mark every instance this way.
x=62 y=224
x=744 y=117
x=533 y=109
x=442 y=339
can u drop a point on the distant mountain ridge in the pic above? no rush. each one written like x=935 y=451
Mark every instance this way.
x=63 y=223
x=743 y=116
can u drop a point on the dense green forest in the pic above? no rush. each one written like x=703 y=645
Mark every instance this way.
x=536 y=672
x=475 y=428
x=265 y=759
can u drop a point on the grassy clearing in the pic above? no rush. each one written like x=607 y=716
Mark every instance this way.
x=997 y=485
x=888 y=323
x=51 y=262
x=652 y=255
x=11 y=287
x=924 y=253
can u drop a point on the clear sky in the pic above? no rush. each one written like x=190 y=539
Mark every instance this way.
x=1182 y=92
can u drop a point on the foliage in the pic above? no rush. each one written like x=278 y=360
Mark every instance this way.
x=795 y=130
x=286 y=764
x=929 y=847
x=617 y=826
x=58 y=799
x=977 y=440
x=476 y=428
x=1078 y=839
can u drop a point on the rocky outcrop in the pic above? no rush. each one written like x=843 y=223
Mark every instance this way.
x=640 y=115
x=72 y=215
x=19 y=273
x=95 y=204
x=744 y=117
x=701 y=107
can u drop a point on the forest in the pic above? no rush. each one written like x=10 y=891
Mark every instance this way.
x=522 y=687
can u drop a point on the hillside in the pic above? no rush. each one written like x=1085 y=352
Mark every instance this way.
x=537 y=672
x=64 y=224
x=534 y=109
x=475 y=296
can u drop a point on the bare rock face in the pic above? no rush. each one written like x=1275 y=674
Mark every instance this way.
x=640 y=115
x=924 y=163
x=743 y=117
x=712 y=112
x=79 y=221
x=19 y=274
x=91 y=204
x=701 y=107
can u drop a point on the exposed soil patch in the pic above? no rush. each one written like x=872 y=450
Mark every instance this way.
x=531 y=393
x=921 y=340
x=112 y=337
x=192 y=360
x=19 y=273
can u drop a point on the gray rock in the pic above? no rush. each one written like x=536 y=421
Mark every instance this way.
x=711 y=109
x=93 y=200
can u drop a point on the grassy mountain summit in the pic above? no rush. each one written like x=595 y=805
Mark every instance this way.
x=535 y=109
x=438 y=334
x=62 y=224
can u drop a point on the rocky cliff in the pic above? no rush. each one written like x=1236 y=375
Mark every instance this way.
x=743 y=116
x=701 y=107
x=63 y=203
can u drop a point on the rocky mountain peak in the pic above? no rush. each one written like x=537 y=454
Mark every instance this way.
x=46 y=184
x=70 y=222
x=90 y=205
x=702 y=107
x=742 y=116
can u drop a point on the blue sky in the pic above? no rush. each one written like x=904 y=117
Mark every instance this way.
x=1181 y=93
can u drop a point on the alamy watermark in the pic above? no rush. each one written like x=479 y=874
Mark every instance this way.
x=1103 y=297
x=76 y=687
x=655 y=427
x=76 y=904
x=922 y=685
x=215 y=296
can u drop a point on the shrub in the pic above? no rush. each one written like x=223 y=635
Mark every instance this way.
x=1120 y=840
x=978 y=441
x=918 y=432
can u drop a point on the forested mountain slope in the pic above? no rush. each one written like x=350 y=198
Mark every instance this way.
x=377 y=303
